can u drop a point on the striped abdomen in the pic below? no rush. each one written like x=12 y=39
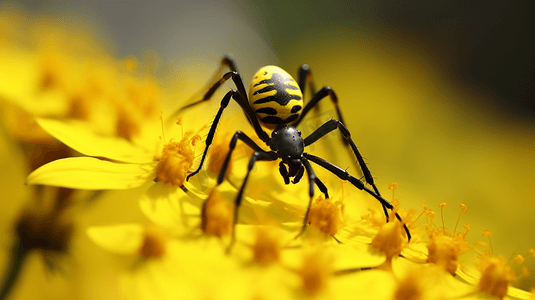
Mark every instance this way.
x=275 y=97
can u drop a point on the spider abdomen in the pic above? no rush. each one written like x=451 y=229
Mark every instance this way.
x=275 y=97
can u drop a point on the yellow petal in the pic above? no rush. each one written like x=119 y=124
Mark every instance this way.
x=169 y=206
x=416 y=252
x=346 y=257
x=120 y=239
x=373 y=284
x=79 y=137
x=91 y=174
x=357 y=256
x=518 y=293
x=356 y=233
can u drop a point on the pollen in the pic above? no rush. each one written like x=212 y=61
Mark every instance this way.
x=389 y=239
x=266 y=249
x=154 y=243
x=176 y=161
x=495 y=276
x=217 y=216
x=326 y=215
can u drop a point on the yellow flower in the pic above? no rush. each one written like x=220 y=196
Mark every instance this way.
x=123 y=164
x=494 y=276
x=63 y=72
x=167 y=267
x=418 y=282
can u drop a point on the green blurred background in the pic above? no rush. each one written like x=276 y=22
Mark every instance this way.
x=438 y=95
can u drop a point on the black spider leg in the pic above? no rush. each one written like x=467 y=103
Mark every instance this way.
x=226 y=61
x=257 y=156
x=312 y=178
x=246 y=108
x=332 y=125
x=344 y=175
x=305 y=77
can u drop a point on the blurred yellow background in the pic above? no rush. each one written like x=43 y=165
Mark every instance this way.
x=437 y=97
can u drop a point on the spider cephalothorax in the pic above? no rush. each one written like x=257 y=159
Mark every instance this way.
x=286 y=140
x=276 y=102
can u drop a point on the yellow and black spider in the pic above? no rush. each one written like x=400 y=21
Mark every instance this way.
x=275 y=102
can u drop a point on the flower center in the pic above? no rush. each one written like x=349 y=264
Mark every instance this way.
x=390 y=239
x=315 y=272
x=154 y=243
x=177 y=159
x=325 y=215
x=217 y=158
x=217 y=216
x=495 y=276
x=266 y=249
x=128 y=123
x=444 y=252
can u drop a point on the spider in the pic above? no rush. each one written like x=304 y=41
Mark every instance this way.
x=275 y=102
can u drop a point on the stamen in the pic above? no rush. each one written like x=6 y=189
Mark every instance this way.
x=431 y=217
x=179 y=123
x=467 y=227
x=442 y=205
x=425 y=211
x=393 y=186
x=463 y=209
x=487 y=234
x=163 y=131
